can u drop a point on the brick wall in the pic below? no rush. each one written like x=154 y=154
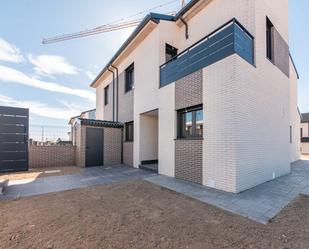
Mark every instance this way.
x=281 y=53
x=112 y=146
x=188 y=153
x=189 y=160
x=128 y=153
x=189 y=90
x=51 y=156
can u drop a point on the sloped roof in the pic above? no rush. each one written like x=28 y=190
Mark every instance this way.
x=305 y=118
x=100 y=123
x=150 y=17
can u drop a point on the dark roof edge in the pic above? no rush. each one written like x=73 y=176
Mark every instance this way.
x=155 y=17
x=185 y=9
x=100 y=123
x=294 y=65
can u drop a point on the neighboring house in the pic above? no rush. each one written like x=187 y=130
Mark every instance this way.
x=209 y=94
x=90 y=114
x=304 y=131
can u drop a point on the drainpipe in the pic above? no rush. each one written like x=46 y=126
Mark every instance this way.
x=113 y=92
x=186 y=25
x=117 y=91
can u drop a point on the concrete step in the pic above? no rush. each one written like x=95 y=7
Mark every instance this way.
x=3 y=186
x=150 y=167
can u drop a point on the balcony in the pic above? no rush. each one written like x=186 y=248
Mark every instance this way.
x=229 y=39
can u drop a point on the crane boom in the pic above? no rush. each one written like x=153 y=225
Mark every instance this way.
x=108 y=27
x=94 y=31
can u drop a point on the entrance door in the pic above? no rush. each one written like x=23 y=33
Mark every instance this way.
x=94 y=147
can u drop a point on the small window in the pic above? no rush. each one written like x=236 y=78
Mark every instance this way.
x=269 y=39
x=301 y=132
x=129 y=78
x=170 y=52
x=129 y=131
x=190 y=122
x=291 y=134
x=106 y=95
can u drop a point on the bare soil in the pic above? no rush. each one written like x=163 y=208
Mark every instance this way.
x=138 y=214
x=39 y=172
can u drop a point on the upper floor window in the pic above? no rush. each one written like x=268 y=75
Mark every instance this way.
x=269 y=39
x=129 y=78
x=170 y=52
x=129 y=131
x=190 y=122
x=106 y=95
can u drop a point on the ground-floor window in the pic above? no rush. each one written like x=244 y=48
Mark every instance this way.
x=190 y=122
x=129 y=131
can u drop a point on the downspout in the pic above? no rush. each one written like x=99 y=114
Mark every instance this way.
x=186 y=25
x=113 y=92
x=117 y=91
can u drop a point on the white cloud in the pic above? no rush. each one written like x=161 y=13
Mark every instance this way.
x=9 y=52
x=11 y=75
x=49 y=65
x=41 y=109
x=90 y=75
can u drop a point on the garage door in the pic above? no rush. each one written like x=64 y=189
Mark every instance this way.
x=14 y=123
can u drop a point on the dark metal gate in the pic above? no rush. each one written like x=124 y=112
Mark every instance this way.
x=94 y=147
x=14 y=123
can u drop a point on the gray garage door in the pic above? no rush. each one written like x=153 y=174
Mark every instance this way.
x=14 y=123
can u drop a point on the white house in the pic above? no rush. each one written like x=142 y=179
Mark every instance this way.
x=209 y=95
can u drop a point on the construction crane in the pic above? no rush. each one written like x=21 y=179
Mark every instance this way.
x=117 y=25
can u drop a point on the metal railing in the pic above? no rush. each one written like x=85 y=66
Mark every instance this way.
x=228 y=39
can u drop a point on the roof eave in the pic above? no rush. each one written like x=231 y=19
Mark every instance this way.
x=143 y=23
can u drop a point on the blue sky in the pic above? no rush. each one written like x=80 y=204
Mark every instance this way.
x=53 y=80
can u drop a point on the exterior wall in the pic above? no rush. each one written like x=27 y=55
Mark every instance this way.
x=108 y=109
x=294 y=116
x=126 y=101
x=112 y=146
x=51 y=156
x=188 y=152
x=148 y=138
x=305 y=148
x=189 y=90
x=188 y=160
x=128 y=153
x=80 y=145
x=305 y=127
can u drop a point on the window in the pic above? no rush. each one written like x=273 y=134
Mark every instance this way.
x=129 y=131
x=106 y=95
x=170 y=52
x=269 y=39
x=190 y=122
x=301 y=132
x=129 y=78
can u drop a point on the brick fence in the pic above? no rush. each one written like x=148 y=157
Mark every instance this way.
x=51 y=156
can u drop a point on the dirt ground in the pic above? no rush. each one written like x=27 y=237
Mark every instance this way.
x=40 y=172
x=138 y=214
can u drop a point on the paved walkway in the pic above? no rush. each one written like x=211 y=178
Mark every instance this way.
x=86 y=178
x=260 y=203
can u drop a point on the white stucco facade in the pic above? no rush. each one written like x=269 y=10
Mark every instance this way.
x=248 y=109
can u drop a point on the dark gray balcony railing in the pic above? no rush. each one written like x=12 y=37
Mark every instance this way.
x=229 y=39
